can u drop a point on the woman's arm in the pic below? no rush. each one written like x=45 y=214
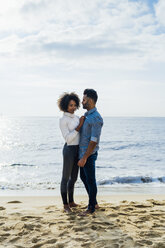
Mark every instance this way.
x=68 y=135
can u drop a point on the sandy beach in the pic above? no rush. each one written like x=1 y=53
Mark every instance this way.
x=122 y=221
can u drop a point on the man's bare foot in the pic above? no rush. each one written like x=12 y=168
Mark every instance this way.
x=73 y=205
x=86 y=212
x=97 y=206
x=67 y=209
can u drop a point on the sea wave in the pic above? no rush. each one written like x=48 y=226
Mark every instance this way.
x=117 y=146
x=28 y=185
x=101 y=167
x=20 y=164
x=132 y=180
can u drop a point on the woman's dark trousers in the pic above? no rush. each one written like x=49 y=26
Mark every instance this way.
x=69 y=173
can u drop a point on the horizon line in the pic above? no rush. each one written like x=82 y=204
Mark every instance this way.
x=106 y=116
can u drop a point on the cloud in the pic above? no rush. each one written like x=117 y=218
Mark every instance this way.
x=78 y=29
x=160 y=10
x=44 y=42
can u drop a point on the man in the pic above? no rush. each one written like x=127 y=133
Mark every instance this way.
x=89 y=146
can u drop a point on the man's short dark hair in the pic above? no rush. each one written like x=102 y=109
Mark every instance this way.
x=64 y=100
x=91 y=94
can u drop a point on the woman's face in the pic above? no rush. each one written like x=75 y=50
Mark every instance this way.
x=72 y=106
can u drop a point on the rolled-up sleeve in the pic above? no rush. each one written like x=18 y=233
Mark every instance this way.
x=96 y=129
x=68 y=135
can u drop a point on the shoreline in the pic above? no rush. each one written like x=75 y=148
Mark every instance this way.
x=45 y=200
x=109 y=190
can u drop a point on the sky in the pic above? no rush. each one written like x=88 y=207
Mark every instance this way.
x=116 y=47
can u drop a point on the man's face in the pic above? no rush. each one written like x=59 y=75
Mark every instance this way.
x=85 y=102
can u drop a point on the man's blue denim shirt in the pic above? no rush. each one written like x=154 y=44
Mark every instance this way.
x=90 y=131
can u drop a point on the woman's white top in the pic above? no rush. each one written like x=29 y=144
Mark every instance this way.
x=68 y=123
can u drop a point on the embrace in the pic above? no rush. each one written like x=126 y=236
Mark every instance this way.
x=82 y=137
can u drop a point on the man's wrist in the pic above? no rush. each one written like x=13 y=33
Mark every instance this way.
x=85 y=156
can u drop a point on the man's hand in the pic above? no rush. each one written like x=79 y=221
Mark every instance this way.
x=82 y=162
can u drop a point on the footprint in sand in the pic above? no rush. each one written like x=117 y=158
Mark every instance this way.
x=30 y=227
x=99 y=243
x=123 y=213
x=125 y=201
x=19 y=246
x=14 y=202
x=158 y=225
x=79 y=228
x=115 y=207
x=158 y=203
x=71 y=217
x=14 y=239
x=161 y=221
x=144 y=218
x=157 y=214
x=82 y=222
x=4 y=236
x=3 y=218
x=38 y=245
x=128 y=242
x=19 y=226
x=143 y=242
x=27 y=217
x=86 y=244
x=159 y=245
x=152 y=234
x=54 y=228
x=47 y=242
x=50 y=207
x=128 y=209
x=15 y=214
x=35 y=240
x=7 y=228
x=60 y=245
x=61 y=234
x=113 y=215
x=143 y=205
x=109 y=241
x=2 y=208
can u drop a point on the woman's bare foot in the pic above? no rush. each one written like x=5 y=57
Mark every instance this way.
x=67 y=209
x=73 y=205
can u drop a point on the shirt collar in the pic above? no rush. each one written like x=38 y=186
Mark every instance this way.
x=69 y=114
x=90 y=111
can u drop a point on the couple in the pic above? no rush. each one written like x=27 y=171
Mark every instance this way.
x=80 y=150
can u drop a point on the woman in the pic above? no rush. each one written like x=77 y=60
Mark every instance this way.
x=70 y=125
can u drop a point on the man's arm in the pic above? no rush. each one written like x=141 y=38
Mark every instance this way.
x=88 y=152
x=95 y=134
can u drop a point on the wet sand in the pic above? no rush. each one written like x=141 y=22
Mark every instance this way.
x=121 y=222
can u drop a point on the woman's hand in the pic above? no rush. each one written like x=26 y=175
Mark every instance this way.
x=82 y=119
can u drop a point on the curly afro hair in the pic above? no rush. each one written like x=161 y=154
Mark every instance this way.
x=64 y=100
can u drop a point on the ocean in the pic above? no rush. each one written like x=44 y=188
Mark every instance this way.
x=131 y=158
